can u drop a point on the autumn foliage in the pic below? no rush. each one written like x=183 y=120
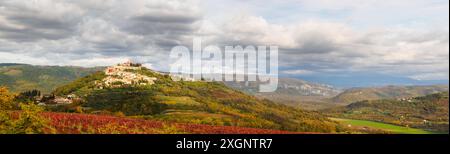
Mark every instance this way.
x=99 y=124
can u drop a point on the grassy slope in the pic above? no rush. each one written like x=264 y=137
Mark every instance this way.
x=311 y=103
x=192 y=102
x=381 y=126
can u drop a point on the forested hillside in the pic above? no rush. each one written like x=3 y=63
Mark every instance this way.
x=22 y=77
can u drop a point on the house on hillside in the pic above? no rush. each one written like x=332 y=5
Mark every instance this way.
x=62 y=100
x=120 y=75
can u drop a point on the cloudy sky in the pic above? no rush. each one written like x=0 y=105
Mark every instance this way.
x=407 y=38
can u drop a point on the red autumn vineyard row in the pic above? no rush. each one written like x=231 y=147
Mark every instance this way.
x=66 y=123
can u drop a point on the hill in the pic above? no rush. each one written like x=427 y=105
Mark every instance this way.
x=388 y=92
x=22 y=77
x=429 y=112
x=199 y=102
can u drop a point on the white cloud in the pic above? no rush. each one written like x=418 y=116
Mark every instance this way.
x=408 y=38
x=298 y=72
x=322 y=46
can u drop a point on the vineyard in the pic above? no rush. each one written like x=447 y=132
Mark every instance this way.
x=65 y=123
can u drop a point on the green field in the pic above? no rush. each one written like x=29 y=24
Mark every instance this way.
x=378 y=125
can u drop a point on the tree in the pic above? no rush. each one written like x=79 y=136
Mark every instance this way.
x=29 y=120
x=28 y=96
x=6 y=99
x=6 y=103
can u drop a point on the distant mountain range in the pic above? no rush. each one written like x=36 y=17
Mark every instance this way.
x=387 y=92
x=314 y=96
x=320 y=96
x=293 y=92
x=346 y=80
x=290 y=86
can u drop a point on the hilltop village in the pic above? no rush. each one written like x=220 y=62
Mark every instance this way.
x=124 y=75
x=117 y=76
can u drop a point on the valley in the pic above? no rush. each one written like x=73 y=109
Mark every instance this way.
x=426 y=112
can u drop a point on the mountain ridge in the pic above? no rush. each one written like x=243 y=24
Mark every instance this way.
x=386 y=92
x=290 y=92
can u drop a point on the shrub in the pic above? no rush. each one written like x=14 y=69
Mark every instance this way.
x=29 y=121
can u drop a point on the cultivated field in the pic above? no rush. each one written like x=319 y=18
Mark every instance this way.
x=66 y=123
x=381 y=126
